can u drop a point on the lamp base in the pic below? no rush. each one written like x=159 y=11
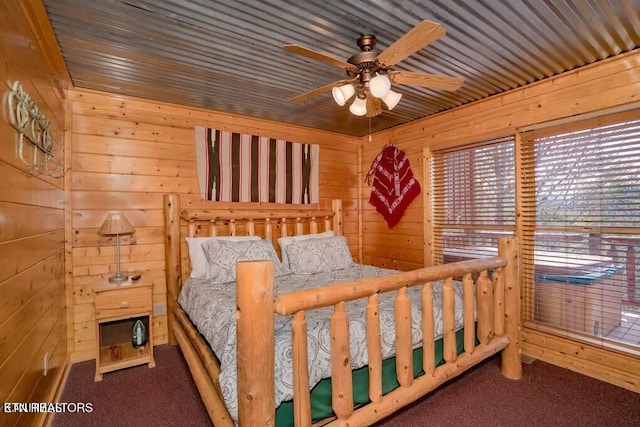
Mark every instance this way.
x=118 y=278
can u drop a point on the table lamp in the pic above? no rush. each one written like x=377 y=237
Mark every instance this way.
x=114 y=225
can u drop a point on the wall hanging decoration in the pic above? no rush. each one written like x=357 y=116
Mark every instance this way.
x=235 y=167
x=34 y=129
x=394 y=186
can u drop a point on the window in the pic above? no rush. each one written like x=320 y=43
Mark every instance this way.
x=581 y=226
x=473 y=199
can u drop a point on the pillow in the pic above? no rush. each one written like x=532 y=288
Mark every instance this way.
x=283 y=242
x=197 y=256
x=319 y=255
x=222 y=256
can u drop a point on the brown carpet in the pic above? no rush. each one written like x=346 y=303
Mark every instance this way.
x=545 y=396
x=138 y=396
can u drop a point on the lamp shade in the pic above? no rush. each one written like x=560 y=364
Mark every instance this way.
x=342 y=94
x=359 y=107
x=116 y=223
x=391 y=99
x=379 y=86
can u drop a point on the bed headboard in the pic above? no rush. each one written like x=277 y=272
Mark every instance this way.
x=267 y=220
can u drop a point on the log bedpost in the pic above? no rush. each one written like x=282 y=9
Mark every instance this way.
x=484 y=295
x=404 y=352
x=256 y=343
x=449 y=350
x=341 y=379
x=268 y=229
x=428 y=332
x=469 y=320
x=301 y=392
x=172 y=258
x=336 y=206
x=511 y=355
x=374 y=349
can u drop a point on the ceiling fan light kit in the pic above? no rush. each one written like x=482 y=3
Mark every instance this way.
x=391 y=99
x=379 y=86
x=341 y=94
x=370 y=75
x=359 y=106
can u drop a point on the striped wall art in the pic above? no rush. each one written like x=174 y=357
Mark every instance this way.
x=235 y=167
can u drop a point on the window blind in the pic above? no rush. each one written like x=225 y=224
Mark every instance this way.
x=581 y=224
x=473 y=191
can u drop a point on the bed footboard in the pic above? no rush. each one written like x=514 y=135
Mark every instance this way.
x=494 y=321
x=496 y=327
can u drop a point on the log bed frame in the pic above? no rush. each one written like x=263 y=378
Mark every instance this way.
x=497 y=325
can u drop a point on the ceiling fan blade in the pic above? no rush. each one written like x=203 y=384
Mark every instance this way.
x=318 y=56
x=374 y=106
x=318 y=91
x=431 y=81
x=418 y=37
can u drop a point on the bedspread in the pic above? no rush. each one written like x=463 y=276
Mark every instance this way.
x=212 y=309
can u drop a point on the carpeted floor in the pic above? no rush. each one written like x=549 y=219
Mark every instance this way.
x=545 y=396
x=138 y=396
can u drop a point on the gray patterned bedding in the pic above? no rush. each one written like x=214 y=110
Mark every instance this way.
x=212 y=307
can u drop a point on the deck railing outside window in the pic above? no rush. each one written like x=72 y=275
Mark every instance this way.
x=581 y=179
x=577 y=190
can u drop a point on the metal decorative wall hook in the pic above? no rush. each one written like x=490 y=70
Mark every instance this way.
x=32 y=126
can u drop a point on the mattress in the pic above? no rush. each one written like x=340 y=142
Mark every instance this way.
x=211 y=308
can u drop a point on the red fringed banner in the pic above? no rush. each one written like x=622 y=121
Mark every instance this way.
x=394 y=186
x=234 y=167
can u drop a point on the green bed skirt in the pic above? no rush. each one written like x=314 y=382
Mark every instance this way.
x=321 y=393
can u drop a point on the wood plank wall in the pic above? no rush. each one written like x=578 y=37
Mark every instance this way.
x=126 y=154
x=401 y=247
x=32 y=232
x=606 y=84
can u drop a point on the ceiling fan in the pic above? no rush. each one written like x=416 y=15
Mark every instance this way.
x=369 y=73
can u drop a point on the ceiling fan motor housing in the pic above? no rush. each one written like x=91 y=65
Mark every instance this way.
x=365 y=61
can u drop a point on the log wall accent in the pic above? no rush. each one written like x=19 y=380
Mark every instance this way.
x=607 y=84
x=127 y=153
x=32 y=221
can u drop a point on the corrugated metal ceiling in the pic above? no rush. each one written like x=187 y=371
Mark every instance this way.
x=228 y=56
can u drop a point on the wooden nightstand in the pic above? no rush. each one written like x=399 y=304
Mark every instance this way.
x=118 y=307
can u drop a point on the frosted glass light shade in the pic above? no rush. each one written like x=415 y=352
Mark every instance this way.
x=391 y=99
x=342 y=94
x=379 y=86
x=359 y=107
